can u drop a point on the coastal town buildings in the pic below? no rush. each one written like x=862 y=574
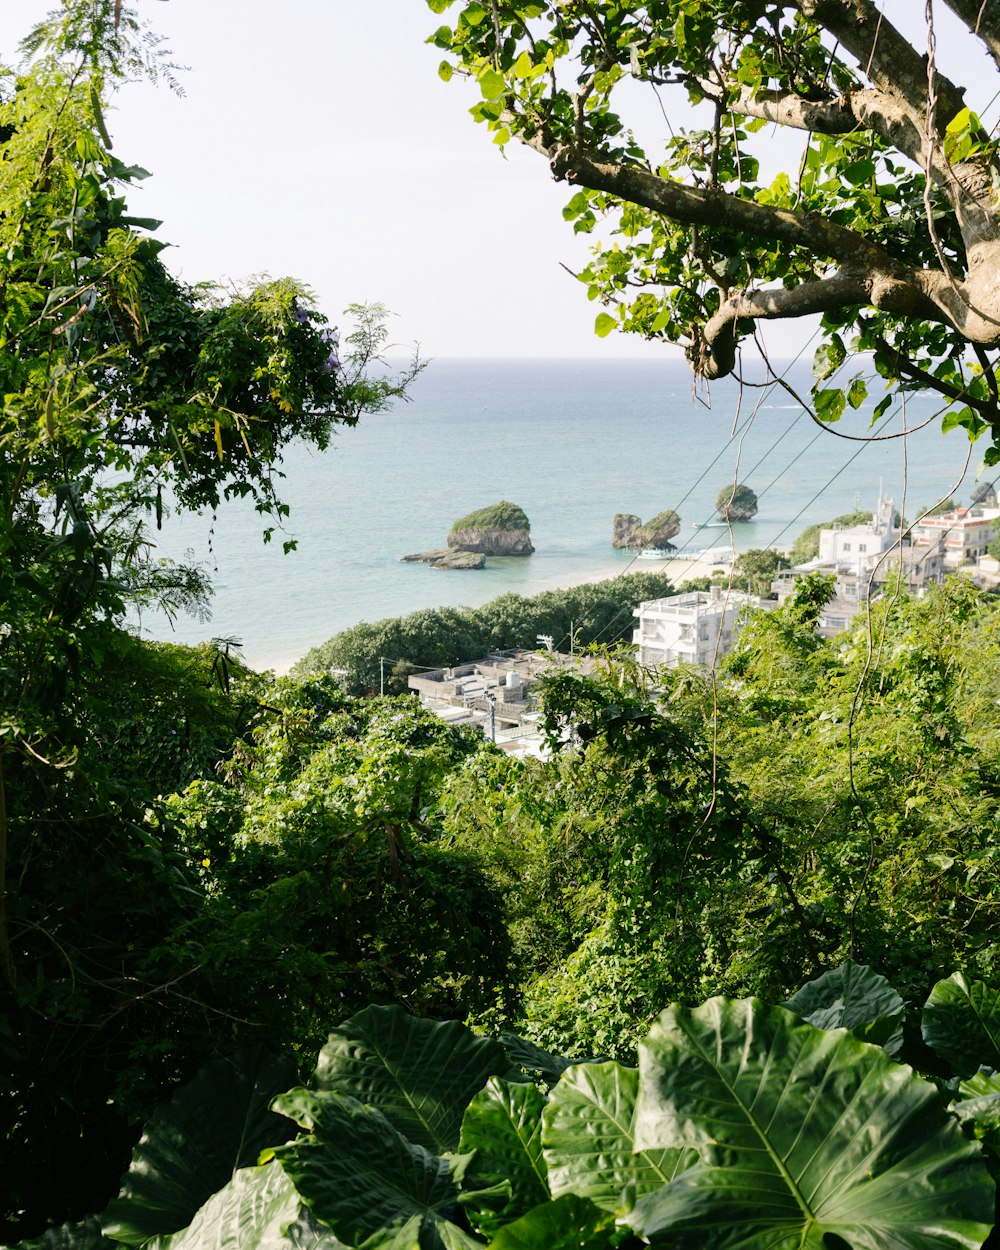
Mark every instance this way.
x=496 y=694
x=963 y=535
x=697 y=627
x=865 y=558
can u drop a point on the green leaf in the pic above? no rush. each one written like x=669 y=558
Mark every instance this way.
x=503 y=1125
x=807 y=1138
x=250 y=1213
x=445 y=71
x=829 y=404
x=144 y=223
x=568 y=1223
x=421 y=1074
x=439 y=6
x=360 y=1176
x=851 y=997
x=881 y=408
x=214 y=1125
x=589 y=1138
x=858 y=172
x=604 y=324
x=857 y=393
x=980 y=1101
x=828 y=358
x=492 y=84
x=964 y=417
x=961 y=1022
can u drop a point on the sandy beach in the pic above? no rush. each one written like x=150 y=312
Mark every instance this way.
x=681 y=569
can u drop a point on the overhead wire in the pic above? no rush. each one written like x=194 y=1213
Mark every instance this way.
x=863 y=442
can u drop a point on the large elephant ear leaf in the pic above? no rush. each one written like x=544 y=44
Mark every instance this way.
x=806 y=1137
x=216 y=1124
x=503 y=1125
x=362 y=1178
x=568 y=1223
x=852 y=997
x=252 y=1212
x=421 y=1074
x=962 y=1023
x=588 y=1134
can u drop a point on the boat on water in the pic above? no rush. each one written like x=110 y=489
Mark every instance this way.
x=654 y=553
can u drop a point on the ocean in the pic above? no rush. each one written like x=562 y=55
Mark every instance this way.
x=571 y=442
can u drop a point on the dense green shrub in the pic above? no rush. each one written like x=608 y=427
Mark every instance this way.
x=503 y=516
x=600 y=612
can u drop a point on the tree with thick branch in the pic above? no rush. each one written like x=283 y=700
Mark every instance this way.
x=889 y=226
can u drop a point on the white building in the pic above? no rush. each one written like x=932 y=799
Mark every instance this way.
x=693 y=628
x=858 y=547
x=963 y=534
x=863 y=559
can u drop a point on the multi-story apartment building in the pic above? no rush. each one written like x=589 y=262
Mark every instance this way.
x=698 y=627
x=962 y=534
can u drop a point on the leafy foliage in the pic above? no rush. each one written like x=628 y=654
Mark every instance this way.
x=755 y=569
x=503 y=515
x=597 y=613
x=736 y=503
x=123 y=392
x=741 y=1127
x=871 y=226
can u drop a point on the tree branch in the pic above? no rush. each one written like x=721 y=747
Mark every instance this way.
x=710 y=206
x=826 y=117
x=885 y=57
x=867 y=109
x=906 y=368
x=713 y=351
x=983 y=19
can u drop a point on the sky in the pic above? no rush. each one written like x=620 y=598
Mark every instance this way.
x=316 y=139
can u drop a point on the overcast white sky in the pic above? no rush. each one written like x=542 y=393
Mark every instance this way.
x=316 y=139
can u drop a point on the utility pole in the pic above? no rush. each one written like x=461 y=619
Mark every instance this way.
x=381 y=674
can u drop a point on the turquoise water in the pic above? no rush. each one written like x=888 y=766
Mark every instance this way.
x=572 y=442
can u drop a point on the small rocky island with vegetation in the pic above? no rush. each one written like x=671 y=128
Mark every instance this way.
x=736 y=503
x=628 y=530
x=502 y=529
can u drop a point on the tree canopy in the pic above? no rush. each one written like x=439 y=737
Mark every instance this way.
x=886 y=224
x=124 y=391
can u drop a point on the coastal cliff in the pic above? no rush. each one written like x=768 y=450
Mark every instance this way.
x=628 y=530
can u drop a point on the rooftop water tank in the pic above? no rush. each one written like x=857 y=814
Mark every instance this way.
x=513 y=678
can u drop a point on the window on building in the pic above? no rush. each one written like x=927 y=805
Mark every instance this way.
x=847 y=546
x=862 y=547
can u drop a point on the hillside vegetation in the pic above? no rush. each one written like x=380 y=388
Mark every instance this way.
x=388 y=650
x=296 y=853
